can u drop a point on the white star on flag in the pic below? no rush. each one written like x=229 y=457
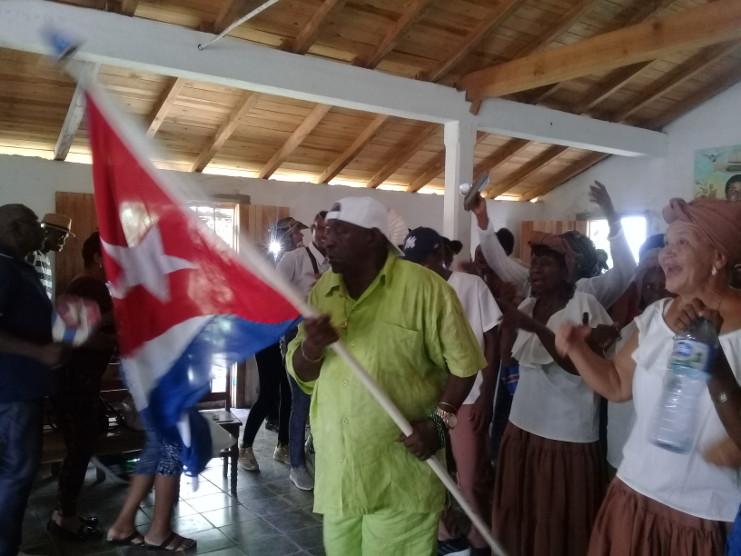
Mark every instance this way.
x=145 y=265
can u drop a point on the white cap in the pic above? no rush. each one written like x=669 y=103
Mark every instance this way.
x=365 y=212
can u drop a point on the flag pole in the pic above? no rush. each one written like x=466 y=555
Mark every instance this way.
x=181 y=191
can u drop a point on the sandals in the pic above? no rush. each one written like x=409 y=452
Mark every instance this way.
x=134 y=539
x=173 y=543
x=84 y=533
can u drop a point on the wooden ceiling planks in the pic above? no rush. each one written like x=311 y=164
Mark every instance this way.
x=413 y=38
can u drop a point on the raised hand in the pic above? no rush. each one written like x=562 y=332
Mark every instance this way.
x=598 y=194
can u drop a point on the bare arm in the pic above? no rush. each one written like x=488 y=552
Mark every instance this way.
x=611 y=379
x=481 y=414
x=608 y=287
x=49 y=354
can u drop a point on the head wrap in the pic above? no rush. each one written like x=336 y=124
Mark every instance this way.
x=560 y=245
x=718 y=222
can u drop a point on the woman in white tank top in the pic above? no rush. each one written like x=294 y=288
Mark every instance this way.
x=662 y=502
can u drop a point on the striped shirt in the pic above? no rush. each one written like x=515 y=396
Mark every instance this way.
x=42 y=266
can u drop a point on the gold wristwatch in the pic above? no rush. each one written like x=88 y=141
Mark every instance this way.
x=449 y=418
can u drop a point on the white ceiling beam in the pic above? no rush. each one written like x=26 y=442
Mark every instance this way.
x=538 y=123
x=146 y=45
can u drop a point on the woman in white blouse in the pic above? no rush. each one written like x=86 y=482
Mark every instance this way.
x=662 y=502
x=551 y=476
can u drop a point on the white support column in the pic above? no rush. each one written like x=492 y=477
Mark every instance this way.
x=460 y=139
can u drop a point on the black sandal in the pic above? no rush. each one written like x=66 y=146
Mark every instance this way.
x=173 y=543
x=84 y=533
x=134 y=539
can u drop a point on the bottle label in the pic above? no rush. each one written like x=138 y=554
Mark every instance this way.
x=691 y=354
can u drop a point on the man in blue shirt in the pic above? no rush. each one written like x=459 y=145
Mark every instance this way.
x=27 y=355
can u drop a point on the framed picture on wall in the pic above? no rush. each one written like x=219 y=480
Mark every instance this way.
x=718 y=173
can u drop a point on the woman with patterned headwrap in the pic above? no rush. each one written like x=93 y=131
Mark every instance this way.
x=662 y=502
x=551 y=476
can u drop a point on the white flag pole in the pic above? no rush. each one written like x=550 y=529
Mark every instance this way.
x=182 y=191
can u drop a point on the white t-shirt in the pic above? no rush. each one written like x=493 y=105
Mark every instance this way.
x=685 y=482
x=297 y=267
x=482 y=312
x=549 y=401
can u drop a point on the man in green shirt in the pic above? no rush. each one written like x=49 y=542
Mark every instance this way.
x=405 y=325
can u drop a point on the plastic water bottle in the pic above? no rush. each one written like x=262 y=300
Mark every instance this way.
x=689 y=369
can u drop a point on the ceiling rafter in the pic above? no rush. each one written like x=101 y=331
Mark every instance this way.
x=502 y=154
x=495 y=18
x=339 y=163
x=165 y=101
x=231 y=12
x=435 y=166
x=397 y=161
x=645 y=10
x=402 y=25
x=75 y=113
x=695 y=28
x=407 y=19
x=615 y=81
x=433 y=169
x=306 y=37
x=232 y=121
x=561 y=25
x=294 y=140
x=728 y=79
x=123 y=7
x=564 y=175
x=524 y=171
x=677 y=76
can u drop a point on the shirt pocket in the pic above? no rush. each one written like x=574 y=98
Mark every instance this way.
x=395 y=349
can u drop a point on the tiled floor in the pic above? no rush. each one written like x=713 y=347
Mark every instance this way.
x=266 y=516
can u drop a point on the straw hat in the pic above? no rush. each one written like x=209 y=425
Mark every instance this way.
x=58 y=222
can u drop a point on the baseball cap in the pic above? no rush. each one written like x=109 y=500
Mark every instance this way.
x=58 y=222
x=288 y=225
x=420 y=242
x=365 y=212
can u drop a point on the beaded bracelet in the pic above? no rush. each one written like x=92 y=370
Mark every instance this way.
x=439 y=427
x=307 y=358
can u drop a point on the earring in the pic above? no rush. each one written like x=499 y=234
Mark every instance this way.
x=713 y=270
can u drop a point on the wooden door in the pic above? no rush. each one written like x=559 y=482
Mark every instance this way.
x=551 y=226
x=256 y=220
x=80 y=207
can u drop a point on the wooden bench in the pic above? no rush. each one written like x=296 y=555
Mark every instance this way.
x=120 y=439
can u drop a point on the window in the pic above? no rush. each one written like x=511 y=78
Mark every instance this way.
x=223 y=219
x=634 y=227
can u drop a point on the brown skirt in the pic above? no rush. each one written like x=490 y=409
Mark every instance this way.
x=630 y=524
x=546 y=494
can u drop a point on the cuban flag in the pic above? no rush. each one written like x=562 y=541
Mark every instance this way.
x=182 y=297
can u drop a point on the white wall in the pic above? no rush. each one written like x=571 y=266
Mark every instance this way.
x=34 y=181
x=644 y=184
